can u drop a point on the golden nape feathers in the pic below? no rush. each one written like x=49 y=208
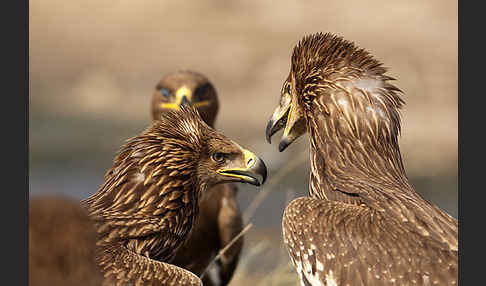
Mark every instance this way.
x=62 y=242
x=363 y=223
x=219 y=220
x=148 y=202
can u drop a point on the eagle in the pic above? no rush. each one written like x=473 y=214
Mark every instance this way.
x=147 y=206
x=62 y=242
x=362 y=222
x=219 y=220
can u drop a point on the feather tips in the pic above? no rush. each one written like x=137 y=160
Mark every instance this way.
x=361 y=247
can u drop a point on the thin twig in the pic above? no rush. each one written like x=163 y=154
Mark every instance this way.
x=222 y=251
x=272 y=182
x=249 y=212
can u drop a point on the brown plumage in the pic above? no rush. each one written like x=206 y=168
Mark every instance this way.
x=62 y=242
x=148 y=203
x=219 y=218
x=363 y=223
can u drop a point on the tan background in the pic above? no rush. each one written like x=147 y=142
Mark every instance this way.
x=93 y=64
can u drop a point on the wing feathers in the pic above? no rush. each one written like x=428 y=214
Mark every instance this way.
x=365 y=248
x=124 y=267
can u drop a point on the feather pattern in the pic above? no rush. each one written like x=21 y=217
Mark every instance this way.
x=124 y=267
x=147 y=205
x=363 y=223
x=219 y=219
x=144 y=198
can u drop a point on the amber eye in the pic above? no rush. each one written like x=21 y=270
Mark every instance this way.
x=218 y=157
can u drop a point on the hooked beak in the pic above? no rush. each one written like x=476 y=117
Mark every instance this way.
x=254 y=172
x=276 y=122
x=289 y=118
x=184 y=96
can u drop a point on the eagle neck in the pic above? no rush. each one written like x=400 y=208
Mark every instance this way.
x=343 y=165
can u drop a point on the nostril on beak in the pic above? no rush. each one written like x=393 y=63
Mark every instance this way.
x=250 y=162
x=184 y=101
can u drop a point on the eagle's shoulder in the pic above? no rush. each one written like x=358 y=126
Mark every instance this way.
x=334 y=242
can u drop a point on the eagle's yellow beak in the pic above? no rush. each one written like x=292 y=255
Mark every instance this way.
x=183 y=95
x=251 y=169
x=286 y=115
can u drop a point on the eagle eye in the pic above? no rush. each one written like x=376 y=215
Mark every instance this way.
x=165 y=92
x=218 y=157
x=288 y=88
x=200 y=92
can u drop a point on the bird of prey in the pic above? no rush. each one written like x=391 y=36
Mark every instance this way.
x=62 y=242
x=220 y=219
x=362 y=223
x=147 y=206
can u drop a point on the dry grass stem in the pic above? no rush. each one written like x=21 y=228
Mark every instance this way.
x=222 y=251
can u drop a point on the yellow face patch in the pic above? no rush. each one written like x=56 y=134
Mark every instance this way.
x=182 y=92
x=166 y=105
x=222 y=172
x=201 y=103
x=249 y=158
x=288 y=125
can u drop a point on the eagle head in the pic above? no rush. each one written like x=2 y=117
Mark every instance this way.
x=333 y=81
x=218 y=159
x=185 y=87
x=288 y=115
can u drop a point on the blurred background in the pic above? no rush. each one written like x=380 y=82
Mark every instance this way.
x=94 y=64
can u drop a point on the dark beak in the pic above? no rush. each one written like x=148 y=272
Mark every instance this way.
x=275 y=124
x=284 y=143
x=291 y=120
x=184 y=101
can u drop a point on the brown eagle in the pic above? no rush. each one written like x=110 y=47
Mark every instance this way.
x=147 y=206
x=363 y=223
x=62 y=242
x=219 y=220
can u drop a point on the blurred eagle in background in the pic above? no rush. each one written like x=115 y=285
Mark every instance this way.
x=219 y=218
x=148 y=202
x=363 y=223
x=62 y=242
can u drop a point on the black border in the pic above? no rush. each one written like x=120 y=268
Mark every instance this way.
x=24 y=67
x=470 y=23
x=15 y=133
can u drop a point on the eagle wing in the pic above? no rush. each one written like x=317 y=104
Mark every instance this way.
x=124 y=267
x=126 y=210
x=334 y=243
